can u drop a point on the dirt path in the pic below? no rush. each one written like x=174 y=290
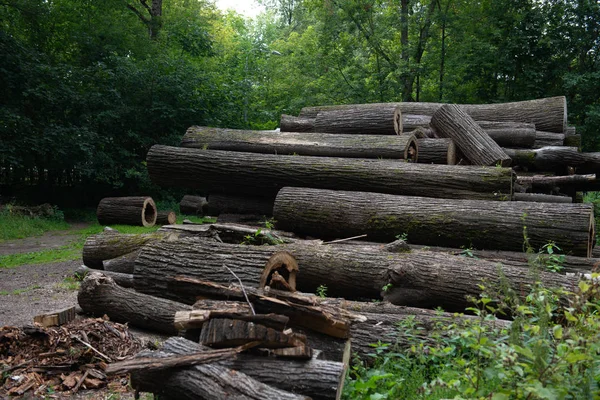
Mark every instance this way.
x=49 y=240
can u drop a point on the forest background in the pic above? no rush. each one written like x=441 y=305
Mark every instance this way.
x=86 y=87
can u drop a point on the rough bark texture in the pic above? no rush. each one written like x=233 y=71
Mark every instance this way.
x=122 y=264
x=99 y=295
x=166 y=218
x=307 y=144
x=220 y=171
x=353 y=272
x=505 y=134
x=289 y=123
x=548 y=114
x=555 y=159
x=442 y=222
x=318 y=379
x=451 y=122
x=541 y=198
x=411 y=122
x=121 y=279
x=539 y=183
x=232 y=204
x=383 y=120
x=436 y=151
x=543 y=139
x=127 y=211
x=192 y=205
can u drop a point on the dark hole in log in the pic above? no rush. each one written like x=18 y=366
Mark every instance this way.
x=148 y=213
x=281 y=265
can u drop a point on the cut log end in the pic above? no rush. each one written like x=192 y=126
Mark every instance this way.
x=149 y=213
x=281 y=270
x=411 y=153
x=166 y=218
x=127 y=210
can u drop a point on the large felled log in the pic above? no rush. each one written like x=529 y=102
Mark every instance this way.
x=541 y=183
x=122 y=264
x=166 y=218
x=100 y=295
x=555 y=159
x=138 y=210
x=353 y=272
x=543 y=139
x=192 y=205
x=289 y=123
x=541 y=198
x=383 y=120
x=442 y=222
x=452 y=122
x=436 y=151
x=308 y=144
x=235 y=204
x=221 y=171
x=548 y=114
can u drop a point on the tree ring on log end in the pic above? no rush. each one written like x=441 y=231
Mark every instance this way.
x=411 y=152
x=398 y=120
x=149 y=212
x=280 y=264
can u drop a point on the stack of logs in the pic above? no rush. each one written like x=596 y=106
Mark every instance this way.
x=437 y=173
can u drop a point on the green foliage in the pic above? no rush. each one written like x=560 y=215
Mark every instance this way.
x=19 y=226
x=403 y=237
x=322 y=291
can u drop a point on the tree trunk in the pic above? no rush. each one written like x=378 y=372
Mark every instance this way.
x=451 y=122
x=127 y=211
x=99 y=295
x=307 y=144
x=232 y=204
x=353 y=272
x=555 y=159
x=289 y=123
x=548 y=114
x=541 y=198
x=123 y=264
x=220 y=171
x=439 y=222
x=166 y=218
x=383 y=120
x=543 y=139
x=542 y=183
x=192 y=205
x=436 y=151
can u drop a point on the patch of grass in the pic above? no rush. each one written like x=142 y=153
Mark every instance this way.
x=69 y=283
x=17 y=292
x=19 y=227
x=64 y=253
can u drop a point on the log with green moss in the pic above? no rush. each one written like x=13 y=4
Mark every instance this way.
x=331 y=214
x=309 y=144
x=216 y=171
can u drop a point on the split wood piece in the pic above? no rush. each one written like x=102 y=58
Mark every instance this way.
x=538 y=183
x=570 y=264
x=176 y=361
x=453 y=223
x=548 y=114
x=220 y=171
x=166 y=218
x=573 y=141
x=280 y=263
x=138 y=210
x=541 y=198
x=100 y=295
x=242 y=219
x=195 y=319
x=223 y=332
x=452 y=122
x=123 y=264
x=56 y=318
x=383 y=120
x=305 y=144
x=290 y=123
x=110 y=245
x=555 y=159
x=543 y=139
x=123 y=280
x=235 y=204
x=246 y=377
x=436 y=151
x=231 y=233
x=192 y=205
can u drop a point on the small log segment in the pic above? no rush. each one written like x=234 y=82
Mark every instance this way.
x=548 y=114
x=383 y=120
x=138 y=210
x=220 y=171
x=166 y=218
x=453 y=223
x=436 y=151
x=99 y=295
x=236 y=204
x=451 y=122
x=123 y=280
x=570 y=264
x=318 y=379
x=543 y=183
x=192 y=205
x=290 y=123
x=555 y=159
x=123 y=264
x=305 y=144
x=543 y=139
x=56 y=318
x=541 y=198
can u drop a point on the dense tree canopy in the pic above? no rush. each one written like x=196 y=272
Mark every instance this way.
x=86 y=87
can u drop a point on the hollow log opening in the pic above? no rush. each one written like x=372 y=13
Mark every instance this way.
x=149 y=212
x=280 y=272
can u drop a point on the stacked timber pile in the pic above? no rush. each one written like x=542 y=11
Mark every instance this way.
x=443 y=175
